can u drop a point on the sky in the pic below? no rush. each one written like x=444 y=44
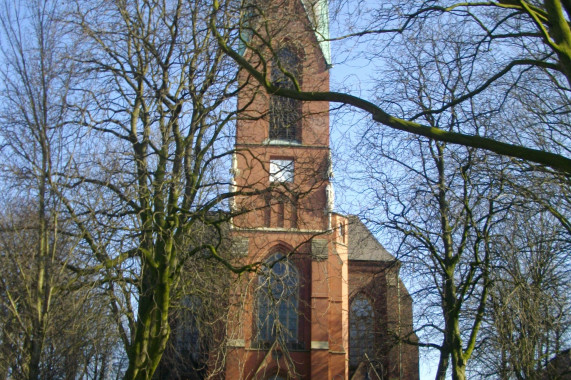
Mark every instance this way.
x=352 y=72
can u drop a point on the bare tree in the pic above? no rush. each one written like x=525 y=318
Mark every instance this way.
x=158 y=136
x=508 y=40
x=79 y=339
x=199 y=315
x=40 y=302
x=447 y=221
x=446 y=206
x=528 y=322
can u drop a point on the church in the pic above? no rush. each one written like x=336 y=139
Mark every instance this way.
x=323 y=298
x=327 y=301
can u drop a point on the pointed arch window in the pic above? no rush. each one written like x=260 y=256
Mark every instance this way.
x=285 y=113
x=278 y=295
x=361 y=329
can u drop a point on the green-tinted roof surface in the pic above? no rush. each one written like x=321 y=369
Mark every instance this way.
x=318 y=13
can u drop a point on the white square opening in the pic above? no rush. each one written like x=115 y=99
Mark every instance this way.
x=281 y=170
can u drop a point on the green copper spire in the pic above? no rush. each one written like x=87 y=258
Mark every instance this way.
x=318 y=13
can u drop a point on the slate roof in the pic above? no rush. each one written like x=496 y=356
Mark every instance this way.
x=363 y=245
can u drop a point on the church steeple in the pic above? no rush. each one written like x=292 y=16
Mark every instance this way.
x=283 y=144
x=283 y=157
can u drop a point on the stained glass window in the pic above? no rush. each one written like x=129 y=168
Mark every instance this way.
x=278 y=302
x=361 y=329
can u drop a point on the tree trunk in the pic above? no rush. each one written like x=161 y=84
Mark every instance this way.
x=40 y=302
x=152 y=329
x=458 y=365
x=442 y=366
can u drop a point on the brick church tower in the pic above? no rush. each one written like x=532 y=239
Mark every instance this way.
x=324 y=303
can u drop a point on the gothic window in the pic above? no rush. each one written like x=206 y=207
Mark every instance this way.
x=361 y=330
x=278 y=302
x=285 y=113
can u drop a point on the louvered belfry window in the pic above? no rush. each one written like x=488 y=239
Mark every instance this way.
x=285 y=113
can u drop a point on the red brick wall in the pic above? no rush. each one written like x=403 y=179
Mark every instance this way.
x=392 y=305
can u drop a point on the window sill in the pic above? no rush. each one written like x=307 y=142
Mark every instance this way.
x=282 y=142
x=265 y=346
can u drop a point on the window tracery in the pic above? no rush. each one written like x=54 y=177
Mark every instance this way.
x=278 y=302
x=285 y=113
x=361 y=329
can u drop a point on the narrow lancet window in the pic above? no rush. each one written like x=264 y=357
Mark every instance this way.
x=361 y=330
x=278 y=303
x=285 y=113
